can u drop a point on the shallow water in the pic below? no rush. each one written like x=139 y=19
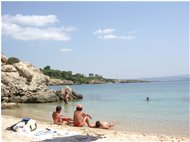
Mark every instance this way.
x=167 y=112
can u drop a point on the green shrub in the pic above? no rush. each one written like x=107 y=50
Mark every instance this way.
x=13 y=60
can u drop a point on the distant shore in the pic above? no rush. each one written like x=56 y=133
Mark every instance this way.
x=54 y=82
x=100 y=134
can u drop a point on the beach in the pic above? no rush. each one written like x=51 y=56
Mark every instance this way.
x=125 y=63
x=98 y=135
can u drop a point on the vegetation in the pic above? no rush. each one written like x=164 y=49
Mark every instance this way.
x=79 y=78
x=76 y=78
x=13 y=60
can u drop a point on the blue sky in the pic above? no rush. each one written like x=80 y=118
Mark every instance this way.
x=133 y=39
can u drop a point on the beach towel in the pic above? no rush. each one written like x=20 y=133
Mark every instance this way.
x=43 y=134
x=25 y=125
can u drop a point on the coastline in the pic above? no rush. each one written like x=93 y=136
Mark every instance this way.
x=59 y=82
x=100 y=134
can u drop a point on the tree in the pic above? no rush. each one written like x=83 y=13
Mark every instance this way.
x=69 y=72
x=79 y=75
x=98 y=76
x=67 y=75
x=13 y=60
x=47 y=68
x=56 y=73
x=90 y=74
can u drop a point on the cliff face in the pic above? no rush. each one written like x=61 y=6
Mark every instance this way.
x=22 y=82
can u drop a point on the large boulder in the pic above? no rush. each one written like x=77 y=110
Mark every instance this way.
x=49 y=96
x=24 y=83
x=72 y=94
x=20 y=81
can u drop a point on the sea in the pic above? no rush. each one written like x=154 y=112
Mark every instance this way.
x=124 y=104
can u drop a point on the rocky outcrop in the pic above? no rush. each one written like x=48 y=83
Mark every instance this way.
x=24 y=83
x=96 y=81
x=9 y=105
x=55 y=82
x=60 y=82
x=73 y=95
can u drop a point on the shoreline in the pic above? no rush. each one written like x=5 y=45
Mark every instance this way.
x=112 y=128
x=115 y=82
x=102 y=135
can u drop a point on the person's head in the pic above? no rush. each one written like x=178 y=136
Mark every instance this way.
x=98 y=124
x=79 y=107
x=66 y=90
x=58 y=109
x=147 y=98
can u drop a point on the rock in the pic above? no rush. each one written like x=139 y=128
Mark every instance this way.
x=23 y=71
x=20 y=80
x=15 y=99
x=49 y=96
x=3 y=59
x=60 y=82
x=9 y=105
x=5 y=99
x=75 y=95
x=8 y=68
x=23 y=99
x=96 y=81
x=72 y=95
x=60 y=95
x=24 y=83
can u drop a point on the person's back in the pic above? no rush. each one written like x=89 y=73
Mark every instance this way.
x=77 y=117
x=54 y=115
x=57 y=118
x=102 y=125
x=106 y=125
x=80 y=118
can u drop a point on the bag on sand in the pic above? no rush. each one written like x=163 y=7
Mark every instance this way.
x=25 y=125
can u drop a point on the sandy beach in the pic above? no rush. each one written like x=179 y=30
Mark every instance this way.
x=98 y=135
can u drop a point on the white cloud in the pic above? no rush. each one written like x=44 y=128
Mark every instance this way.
x=108 y=37
x=108 y=34
x=104 y=31
x=30 y=20
x=66 y=49
x=20 y=28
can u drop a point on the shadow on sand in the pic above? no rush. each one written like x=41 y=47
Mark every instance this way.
x=77 y=138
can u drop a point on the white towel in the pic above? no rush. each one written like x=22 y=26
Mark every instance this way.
x=43 y=134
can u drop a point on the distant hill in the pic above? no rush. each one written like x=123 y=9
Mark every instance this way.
x=169 y=78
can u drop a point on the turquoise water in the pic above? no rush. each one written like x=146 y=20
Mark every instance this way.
x=125 y=104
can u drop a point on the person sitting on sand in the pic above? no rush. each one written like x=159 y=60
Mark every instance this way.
x=80 y=118
x=58 y=119
x=102 y=125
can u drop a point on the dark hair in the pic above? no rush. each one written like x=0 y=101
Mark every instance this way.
x=98 y=124
x=147 y=98
x=58 y=108
x=79 y=109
